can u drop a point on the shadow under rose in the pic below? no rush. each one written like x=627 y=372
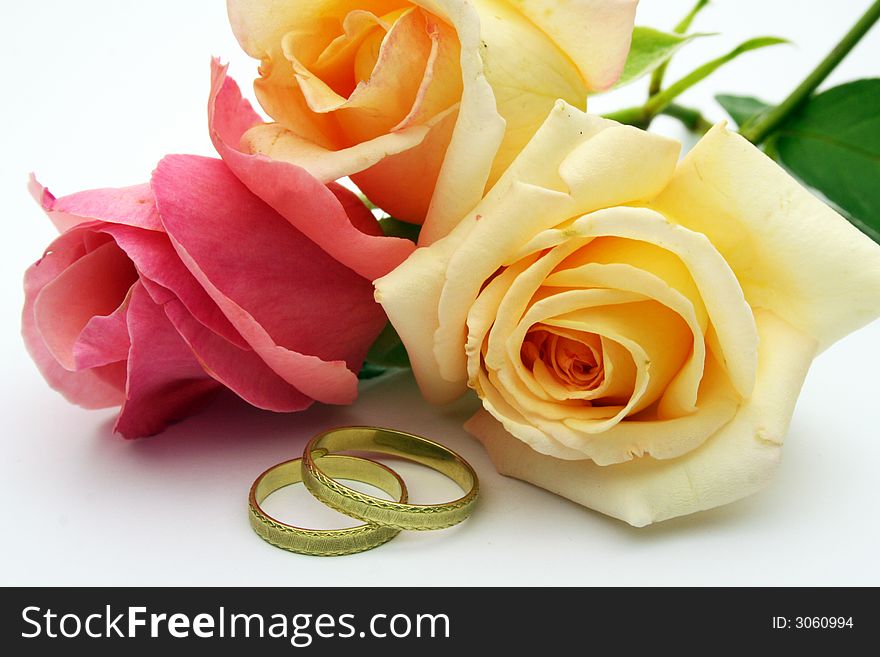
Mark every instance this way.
x=228 y=443
x=227 y=426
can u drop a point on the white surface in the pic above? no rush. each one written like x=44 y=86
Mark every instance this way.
x=95 y=92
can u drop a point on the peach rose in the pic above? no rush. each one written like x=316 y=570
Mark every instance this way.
x=421 y=103
x=638 y=329
x=157 y=296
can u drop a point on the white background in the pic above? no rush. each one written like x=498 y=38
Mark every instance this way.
x=95 y=92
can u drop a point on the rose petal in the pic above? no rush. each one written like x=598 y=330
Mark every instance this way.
x=309 y=317
x=132 y=206
x=478 y=132
x=617 y=375
x=482 y=314
x=789 y=250
x=662 y=339
x=528 y=73
x=100 y=387
x=719 y=288
x=641 y=436
x=129 y=216
x=293 y=193
x=326 y=163
x=403 y=182
x=166 y=278
x=441 y=85
x=165 y=381
x=260 y=27
x=337 y=63
x=429 y=296
x=617 y=165
x=681 y=394
x=388 y=95
x=409 y=295
x=511 y=322
x=661 y=333
x=95 y=284
x=359 y=214
x=639 y=256
x=594 y=33
x=412 y=293
x=240 y=370
x=738 y=460
x=104 y=339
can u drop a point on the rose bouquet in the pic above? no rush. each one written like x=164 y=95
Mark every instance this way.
x=637 y=326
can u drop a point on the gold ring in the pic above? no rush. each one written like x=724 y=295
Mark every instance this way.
x=324 y=542
x=396 y=515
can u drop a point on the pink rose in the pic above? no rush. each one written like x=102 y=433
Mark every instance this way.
x=158 y=295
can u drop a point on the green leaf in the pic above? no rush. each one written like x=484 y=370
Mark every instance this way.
x=396 y=228
x=659 y=102
x=650 y=48
x=833 y=145
x=742 y=108
x=370 y=371
x=388 y=350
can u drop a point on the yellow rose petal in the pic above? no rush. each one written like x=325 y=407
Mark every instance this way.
x=792 y=253
x=736 y=461
x=719 y=288
x=680 y=396
x=595 y=33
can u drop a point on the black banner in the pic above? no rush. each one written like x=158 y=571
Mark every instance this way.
x=433 y=621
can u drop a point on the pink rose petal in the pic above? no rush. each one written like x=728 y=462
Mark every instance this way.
x=132 y=206
x=290 y=190
x=100 y=387
x=165 y=277
x=104 y=339
x=165 y=380
x=359 y=214
x=242 y=371
x=95 y=284
x=122 y=214
x=309 y=317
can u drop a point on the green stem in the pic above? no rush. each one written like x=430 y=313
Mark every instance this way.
x=642 y=116
x=692 y=119
x=636 y=116
x=681 y=28
x=657 y=79
x=661 y=101
x=757 y=130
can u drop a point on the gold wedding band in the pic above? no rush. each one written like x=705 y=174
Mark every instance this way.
x=324 y=542
x=395 y=515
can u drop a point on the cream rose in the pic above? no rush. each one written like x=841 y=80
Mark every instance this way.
x=638 y=329
x=422 y=102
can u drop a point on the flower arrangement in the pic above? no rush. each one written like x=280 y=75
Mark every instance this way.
x=637 y=326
